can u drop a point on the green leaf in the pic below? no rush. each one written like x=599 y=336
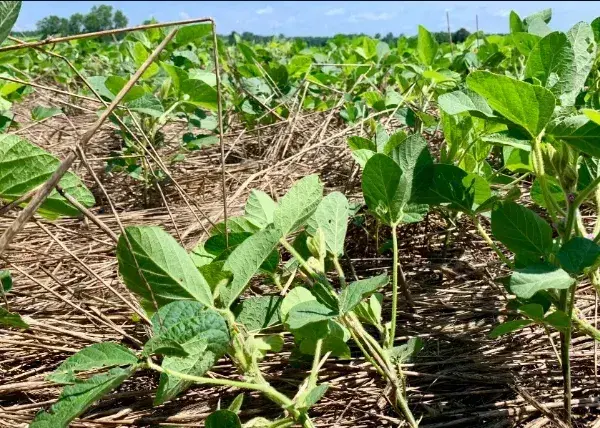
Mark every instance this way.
x=235 y=225
x=159 y=345
x=77 y=398
x=596 y=29
x=593 y=115
x=258 y=312
x=147 y=104
x=552 y=62
x=309 y=312
x=381 y=188
x=245 y=261
x=538 y=27
x=427 y=46
x=464 y=101
x=236 y=404
x=525 y=42
x=140 y=55
x=521 y=230
x=509 y=327
x=25 y=167
x=332 y=217
x=545 y=15
x=200 y=94
x=9 y=12
x=527 y=105
x=454 y=187
x=204 y=336
x=584 y=46
x=406 y=352
x=524 y=283
x=260 y=208
x=360 y=143
x=579 y=132
x=577 y=254
x=223 y=419
x=298 y=204
x=362 y=156
x=98 y=355
x=115 y=83
x=312 y=396
x=516 y=25
x=535 y=311
x=299 y=66
x=191 y=33
x=6 y=280
x=356 y=291
x=166 y=271
x=559 y=320
x=12 y=319
x=296 y=296
x=41 y=112
x=554 y=188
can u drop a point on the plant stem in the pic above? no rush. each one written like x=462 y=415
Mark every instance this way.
x=491 y=243
x=538 y=167
x=340 y=271
x=397 y=273
x=314 y=372
x=262 y=387
x=569 y=295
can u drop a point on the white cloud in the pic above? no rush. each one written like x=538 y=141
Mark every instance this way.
x=370 y=16
x=503 y=13
x=333 y=12
x=265 y=11
x=184 y=15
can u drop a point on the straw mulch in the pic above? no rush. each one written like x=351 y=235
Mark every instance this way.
x=66 y=282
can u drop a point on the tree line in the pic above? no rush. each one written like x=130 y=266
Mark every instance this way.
x=103 y=17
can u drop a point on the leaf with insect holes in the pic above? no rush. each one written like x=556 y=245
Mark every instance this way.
x=24 y=167
x=260 y=208
x=427 y=46
x=203 y=335
x=524 y=283
x=552 y=62
x=577 y=254
x=258 y=312
x=76 y=398
x=298 y=204
x=12 y=319
x=9 y=12
x=521 y=230
x=356 y=291
x=245 y=260
x=166 y=271
x=331 y=216
x=465 y=101
x=529 y=106
x=581 y=37
x=98 y=355
x=223 y=419
x=509 y=327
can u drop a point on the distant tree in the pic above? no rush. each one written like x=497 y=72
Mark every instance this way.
x=100 y=18
x=52 y=25
x=120 y=20
x=378 y=36
x=460 y=35
x=76 y=23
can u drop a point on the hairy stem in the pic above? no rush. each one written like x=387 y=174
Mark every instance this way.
x=491 y=243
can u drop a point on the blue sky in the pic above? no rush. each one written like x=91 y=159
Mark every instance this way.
x=325 y=18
